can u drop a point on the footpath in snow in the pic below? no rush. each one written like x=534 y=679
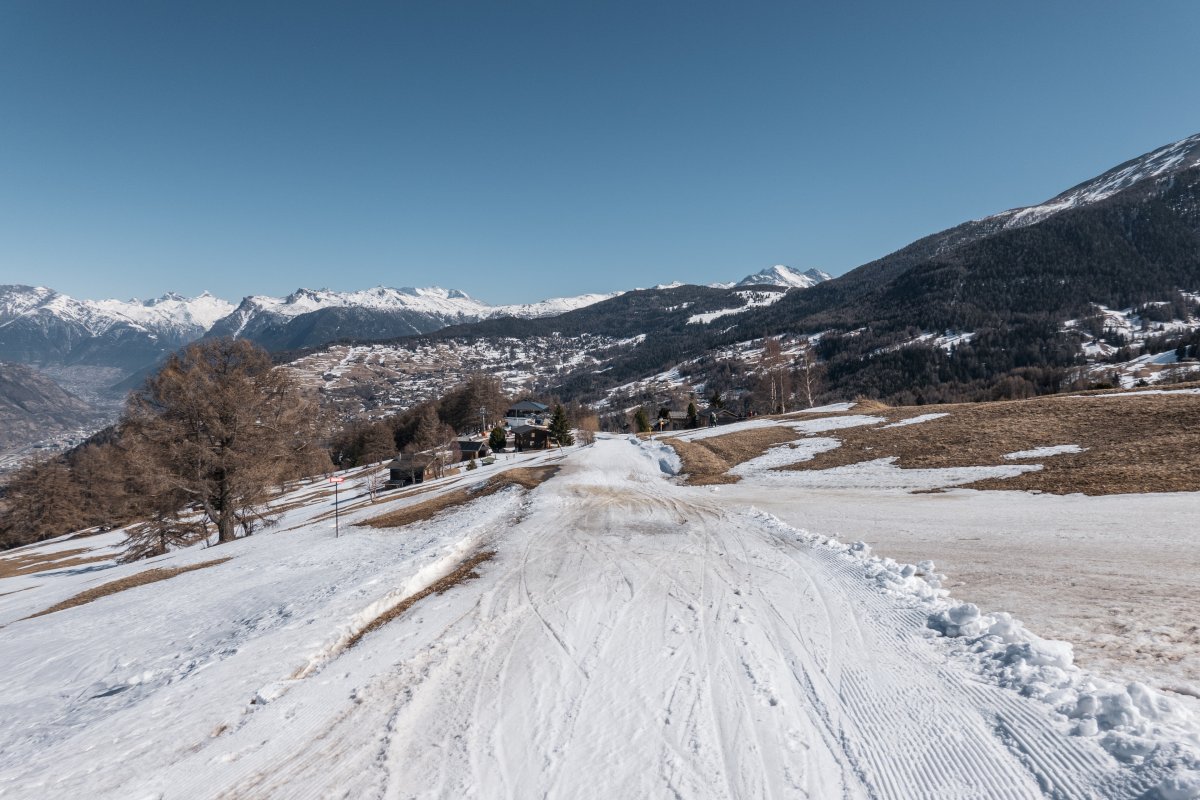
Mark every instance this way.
x=629 y=638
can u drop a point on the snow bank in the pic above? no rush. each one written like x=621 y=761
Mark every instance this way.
x=667 y=459
x=1132 y=722
x=1039 y=452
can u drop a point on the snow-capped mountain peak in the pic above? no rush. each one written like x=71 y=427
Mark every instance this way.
x=781 y=275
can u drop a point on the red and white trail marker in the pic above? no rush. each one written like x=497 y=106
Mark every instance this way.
x=337 y=479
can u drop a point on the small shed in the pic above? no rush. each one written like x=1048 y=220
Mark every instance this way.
x=407 y=470
x=531 y=437
x=473 y=448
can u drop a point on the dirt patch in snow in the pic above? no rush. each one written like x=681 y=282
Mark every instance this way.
x=28 y=563
x=524 y=477
x=140 y=579
x=462 y=573
x=1142 y=444
x=708 y=461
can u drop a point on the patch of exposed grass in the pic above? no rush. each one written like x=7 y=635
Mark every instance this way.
x=139 y=579
x=18 y=564
x=462 y=573
x=1137 y=444
x=708 y=461
x=524 y=477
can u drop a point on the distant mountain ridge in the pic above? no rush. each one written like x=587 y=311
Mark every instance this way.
x=41 y=326
x=311 y=317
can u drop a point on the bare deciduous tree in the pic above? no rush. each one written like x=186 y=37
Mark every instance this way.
x=223 y=427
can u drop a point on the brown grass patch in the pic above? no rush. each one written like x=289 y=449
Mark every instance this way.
x=140 y=579
x=462 y=573
x=17 y=564
x=708 y=461
x=525 y=477
x=1138 y=444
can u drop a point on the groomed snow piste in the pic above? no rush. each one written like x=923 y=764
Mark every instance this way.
x=631 y=637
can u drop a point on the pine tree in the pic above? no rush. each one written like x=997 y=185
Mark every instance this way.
x=641 y=421
x=560 y=429
x=693 y=415
x=498 y=439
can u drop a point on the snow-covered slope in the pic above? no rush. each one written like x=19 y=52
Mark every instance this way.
x=780 y=275
x=625 y=636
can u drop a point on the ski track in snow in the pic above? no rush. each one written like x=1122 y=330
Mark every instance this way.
x=631 y=638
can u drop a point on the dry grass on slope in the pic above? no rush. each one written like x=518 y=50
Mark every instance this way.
x=708 y=461
x=27 y=563
x=524 y=477
x=1148 y=443
x=139 y=579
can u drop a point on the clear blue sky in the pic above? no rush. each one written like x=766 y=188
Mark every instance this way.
x=526 y=149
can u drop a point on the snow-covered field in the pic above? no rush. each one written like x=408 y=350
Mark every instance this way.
x=631 y=637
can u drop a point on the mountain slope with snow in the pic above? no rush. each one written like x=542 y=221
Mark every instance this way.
x=42 y=326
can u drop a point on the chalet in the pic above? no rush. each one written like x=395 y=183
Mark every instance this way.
x=473 y=448
x=531 y=437
x=527 y=412
x=407 y=470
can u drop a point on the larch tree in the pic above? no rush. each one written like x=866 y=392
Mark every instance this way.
x=224 y=428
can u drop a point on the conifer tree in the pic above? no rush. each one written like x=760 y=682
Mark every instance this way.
x=560 y=429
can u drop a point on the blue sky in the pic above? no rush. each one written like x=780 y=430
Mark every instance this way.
x=518 y=150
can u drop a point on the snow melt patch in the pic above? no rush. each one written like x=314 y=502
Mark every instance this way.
x=917 y=420
x=883 y=473
x=1039 y=452
x=753 y=300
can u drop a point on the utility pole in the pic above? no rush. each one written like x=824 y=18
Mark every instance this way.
x=336 y=480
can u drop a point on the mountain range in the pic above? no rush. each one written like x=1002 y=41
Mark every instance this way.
x=1009 y=305
x=42 y=326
